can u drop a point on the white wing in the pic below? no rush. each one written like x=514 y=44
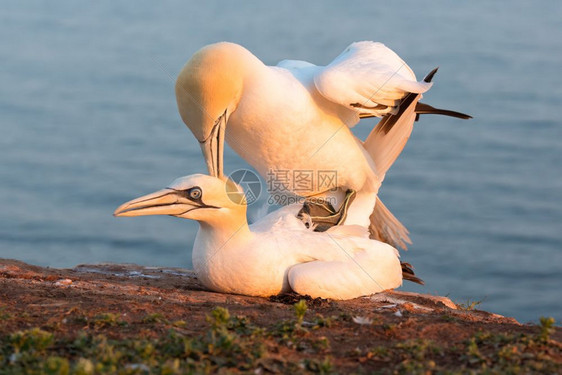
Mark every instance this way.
x=369 y=78
x=360 y=267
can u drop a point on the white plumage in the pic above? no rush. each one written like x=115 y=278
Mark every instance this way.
x=297 y=116
x=277 y=253
x=368 y=76
x=289 y=118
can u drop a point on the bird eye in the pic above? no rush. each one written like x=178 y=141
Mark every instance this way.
x=195 y=193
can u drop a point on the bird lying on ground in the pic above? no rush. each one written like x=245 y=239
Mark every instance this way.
x=278 y=253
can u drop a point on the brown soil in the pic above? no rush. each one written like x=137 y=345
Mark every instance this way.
x=62 y=300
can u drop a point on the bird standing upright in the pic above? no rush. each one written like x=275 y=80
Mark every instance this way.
x=297 y=116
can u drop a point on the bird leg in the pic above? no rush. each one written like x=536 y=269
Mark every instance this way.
x=320 y=213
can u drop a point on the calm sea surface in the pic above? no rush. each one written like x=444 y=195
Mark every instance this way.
x=88 y=120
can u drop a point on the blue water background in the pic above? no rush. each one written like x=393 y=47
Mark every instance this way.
x=88 y=120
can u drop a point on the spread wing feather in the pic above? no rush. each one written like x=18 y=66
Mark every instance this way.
x=368 y=77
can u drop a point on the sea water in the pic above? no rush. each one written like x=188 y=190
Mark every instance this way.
x=88 y=121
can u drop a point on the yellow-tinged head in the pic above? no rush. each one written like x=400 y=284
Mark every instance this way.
x=208 y=90
x=197 y=197
x=209 y=84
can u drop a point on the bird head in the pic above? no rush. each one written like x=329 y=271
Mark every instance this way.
x=208 y=90
x=197 y=197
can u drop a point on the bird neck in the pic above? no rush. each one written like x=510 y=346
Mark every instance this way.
x=218 y=233
x=213 y=241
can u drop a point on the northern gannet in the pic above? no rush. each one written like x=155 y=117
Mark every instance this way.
x=274 y=255
x=297 y=116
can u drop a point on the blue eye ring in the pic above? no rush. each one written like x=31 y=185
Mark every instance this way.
x=195 y=193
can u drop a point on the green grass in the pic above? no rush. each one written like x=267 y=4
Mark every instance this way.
x=107 y=320
x=4 y=315
x=230 y=343
x=513 y=353
x=155 y=318
x=234 y=344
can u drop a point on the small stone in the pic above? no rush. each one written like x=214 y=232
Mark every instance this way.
x=362 y=320
x=63 y=282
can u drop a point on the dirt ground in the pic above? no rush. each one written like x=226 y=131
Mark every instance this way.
x=130 y=306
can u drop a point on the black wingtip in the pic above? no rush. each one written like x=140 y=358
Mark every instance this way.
x=429 y=77
x=426 y=109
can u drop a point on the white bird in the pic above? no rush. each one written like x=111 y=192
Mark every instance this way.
x=276 y=254
x=296 y=117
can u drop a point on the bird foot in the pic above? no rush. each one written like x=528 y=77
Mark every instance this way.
x=320 y=215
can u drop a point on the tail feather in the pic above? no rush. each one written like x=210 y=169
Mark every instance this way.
x=387 y=228
x=385 y=147
x=408 y=273
x=384 y=144
x=387 y=140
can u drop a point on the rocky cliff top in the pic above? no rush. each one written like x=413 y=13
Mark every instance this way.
x=129 y=319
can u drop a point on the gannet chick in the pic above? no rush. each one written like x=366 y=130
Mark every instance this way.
x=277 y=253
x=296 y=117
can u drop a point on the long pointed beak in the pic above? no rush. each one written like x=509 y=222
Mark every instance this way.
x=163 y=202
x=213 y=148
